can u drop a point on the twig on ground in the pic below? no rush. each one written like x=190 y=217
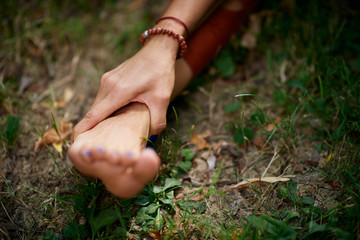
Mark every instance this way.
x=275 y=156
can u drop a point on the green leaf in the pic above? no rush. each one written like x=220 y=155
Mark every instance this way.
x=157 y=189
x=307 y=201
x=170 y=195
x=225 y=63
x=105 y=217
x=158 y=221
x=75 y=231
x=152 y=208
x=292 y=187
x=12 y=129
x=187 y=154
x=257 y=117
x=50 y=235
x=314 y=227
x=167 y=201
x=142 y=200
x=279 y=97
x=70 y=232
x=283 y=192
x=142 y=218
x=232 y=107
x=292 y=215
x=171 y=183
x=185 y=166
x=243 y=135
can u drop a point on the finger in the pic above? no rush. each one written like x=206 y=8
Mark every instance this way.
x=99 y=112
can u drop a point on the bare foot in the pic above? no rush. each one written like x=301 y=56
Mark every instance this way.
x=114 y=151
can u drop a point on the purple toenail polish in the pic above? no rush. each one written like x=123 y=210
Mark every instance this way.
x=100 y=149
x=87 y=153
x=129 y=154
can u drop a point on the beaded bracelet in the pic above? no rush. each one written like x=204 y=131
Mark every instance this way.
x=154 y=31
x=177 y=20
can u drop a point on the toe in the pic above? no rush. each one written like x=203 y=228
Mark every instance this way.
x=149 y=163
x=124 y=159
x=98 y=153
x=86 y=155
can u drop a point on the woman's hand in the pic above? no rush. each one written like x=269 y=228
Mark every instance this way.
x=147 y=77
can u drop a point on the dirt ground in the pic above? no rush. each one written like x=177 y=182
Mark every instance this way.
x=31 y=178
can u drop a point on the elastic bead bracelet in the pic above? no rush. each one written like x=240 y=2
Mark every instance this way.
x=177 y=20
x=155 y=31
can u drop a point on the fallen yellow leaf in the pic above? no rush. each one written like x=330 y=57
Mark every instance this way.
x=199 y=141
x=51 y=136
x=251 y=181
x=329 y=158
x=58 y=147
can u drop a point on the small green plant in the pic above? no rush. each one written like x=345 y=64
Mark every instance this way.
x=153 y=201
x=10 y=133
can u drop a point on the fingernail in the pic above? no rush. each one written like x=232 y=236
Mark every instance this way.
x=100 y=149
x=87 y=153
x=153 y=138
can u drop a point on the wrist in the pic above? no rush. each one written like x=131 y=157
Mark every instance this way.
x=166 y=45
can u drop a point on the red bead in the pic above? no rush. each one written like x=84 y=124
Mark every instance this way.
x=181 y=39
x=176 y=36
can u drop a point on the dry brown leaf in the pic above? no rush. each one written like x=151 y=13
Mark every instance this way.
x=61 y=103
x=199 y=141
x=259 y=142
x=272 y=126
x=205 y=134
x=51 y=136
x=249 y=38
x=200 y=196
x=250 y=181
x=236 y=233
x=155 y=235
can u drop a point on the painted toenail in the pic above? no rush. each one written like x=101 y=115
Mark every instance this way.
x=87 y=153
x=129 y=154
x=100 y=149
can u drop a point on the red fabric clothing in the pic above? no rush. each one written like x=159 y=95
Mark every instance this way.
x=213 y=34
